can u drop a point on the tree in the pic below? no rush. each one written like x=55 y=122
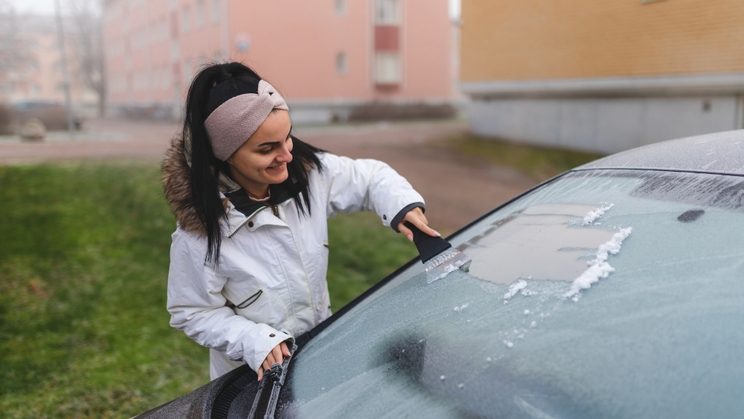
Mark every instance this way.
x=13 y=54
x=87 y=18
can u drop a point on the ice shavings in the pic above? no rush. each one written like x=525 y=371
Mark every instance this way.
x=595 y=214
x=462 y=307
x=515 y=288
x=598 y=267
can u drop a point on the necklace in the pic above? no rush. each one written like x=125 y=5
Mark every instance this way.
x=255 y=198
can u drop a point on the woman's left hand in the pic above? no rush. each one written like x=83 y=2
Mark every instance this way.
x=417 y=218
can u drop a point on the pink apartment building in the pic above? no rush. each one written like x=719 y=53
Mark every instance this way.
x=39 y=75
x=325 y=56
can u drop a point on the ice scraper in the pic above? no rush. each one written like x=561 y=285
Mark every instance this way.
x=438 y=255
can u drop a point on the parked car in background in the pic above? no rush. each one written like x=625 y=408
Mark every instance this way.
x=52 y=114
x=615 y=290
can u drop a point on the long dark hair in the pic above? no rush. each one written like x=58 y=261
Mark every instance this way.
x=212 y=87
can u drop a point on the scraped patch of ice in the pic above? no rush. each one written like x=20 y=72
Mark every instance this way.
x=598 y=267
x=595 y=214
x=515 y=288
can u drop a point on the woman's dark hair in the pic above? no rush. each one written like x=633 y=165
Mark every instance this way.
x=213 y=86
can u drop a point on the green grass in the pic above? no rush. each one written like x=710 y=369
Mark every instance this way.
x=83 y=264
x=540 y=163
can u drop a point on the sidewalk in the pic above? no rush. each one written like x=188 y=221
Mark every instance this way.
x=457 y=189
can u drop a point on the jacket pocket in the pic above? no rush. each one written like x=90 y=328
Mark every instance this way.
x=260 y=305
x=250 y=300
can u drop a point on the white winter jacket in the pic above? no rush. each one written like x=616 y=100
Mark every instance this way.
x=270 y=283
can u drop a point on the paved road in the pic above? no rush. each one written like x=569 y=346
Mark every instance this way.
x=457 y=188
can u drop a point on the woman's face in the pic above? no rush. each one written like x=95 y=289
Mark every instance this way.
x=262 y=160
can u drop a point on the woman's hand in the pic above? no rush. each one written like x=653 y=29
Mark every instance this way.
x=418 y=219
x=276 y=356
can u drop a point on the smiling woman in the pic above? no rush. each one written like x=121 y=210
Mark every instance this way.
x=250 y=255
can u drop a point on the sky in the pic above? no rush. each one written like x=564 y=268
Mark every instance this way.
x=36 y=6
x=47 y=6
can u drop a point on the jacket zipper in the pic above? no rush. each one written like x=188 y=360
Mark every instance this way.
x=274 y=209
x=246 y=221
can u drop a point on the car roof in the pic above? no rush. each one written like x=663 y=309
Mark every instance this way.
x=721 y=152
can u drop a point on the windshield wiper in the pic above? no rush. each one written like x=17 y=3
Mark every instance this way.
x=267 y=396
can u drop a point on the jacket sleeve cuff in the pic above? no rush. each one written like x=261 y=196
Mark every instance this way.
x=266 y=338
x=402 y=213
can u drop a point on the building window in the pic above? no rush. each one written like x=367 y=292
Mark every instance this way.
x=341 y=64
x=215 y=11
x=200 y=15
x=387 y=12
x=341 y=7
x=387 y=68
x=186 y=20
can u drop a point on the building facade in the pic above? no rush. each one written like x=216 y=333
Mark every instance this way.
x=325 y=56
x=37 y=73
x=602 y=75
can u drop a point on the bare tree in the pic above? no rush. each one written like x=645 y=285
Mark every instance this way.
x=13 y=54
x=86 y=15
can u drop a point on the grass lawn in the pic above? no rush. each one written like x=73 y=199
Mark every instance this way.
x=83 y=263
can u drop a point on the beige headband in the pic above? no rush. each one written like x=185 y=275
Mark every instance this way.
x=233 y=122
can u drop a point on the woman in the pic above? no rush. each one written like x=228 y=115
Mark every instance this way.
x=250 y=252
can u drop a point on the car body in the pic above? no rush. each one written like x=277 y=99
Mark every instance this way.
x=613 y=290
x=51 y=113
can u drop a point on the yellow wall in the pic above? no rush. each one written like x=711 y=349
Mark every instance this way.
x=556 y=39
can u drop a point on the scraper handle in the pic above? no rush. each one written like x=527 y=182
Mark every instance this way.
x=428 y=246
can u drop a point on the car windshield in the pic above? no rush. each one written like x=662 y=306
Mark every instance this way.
x=600 y=294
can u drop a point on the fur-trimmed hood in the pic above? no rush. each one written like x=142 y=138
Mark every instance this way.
x=176 y=177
